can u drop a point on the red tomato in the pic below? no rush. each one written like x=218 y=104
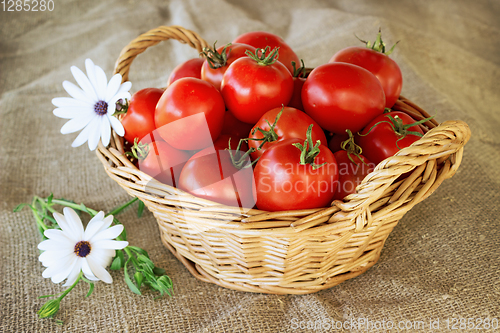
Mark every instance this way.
x=162 y=161
x=282 y=182
x=335 y=143
x=222 y=142
x=384 y=68
x=189 y=68
x=261 y=39
x=211 y=175
x=342 y=96
x=299 y=77
x=381 y=138
x=292 y=123
x=189 y=114
x=140 y=117
x=350 y=173
x=296 y=101
x=234 y=127
x=375 y=59
x=217 y=62
x=252 y=87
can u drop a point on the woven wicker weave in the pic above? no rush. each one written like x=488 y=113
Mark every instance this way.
x=288 y=252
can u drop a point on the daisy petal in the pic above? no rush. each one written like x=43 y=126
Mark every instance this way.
x=77 y=268
x=63 y=223
x=96 y=221
x=76 y=92
x=56 y=268
x=74 y=222
x=84 y=82
x=122 y=93
x=76 y=124
x=101 y=83
x=51 y=257
x=84 y=135
x=90 y=68
x=110 y=244
x=107 y=222
x=57 y=278
x=95 y=133
x=117 y=125
x=109 y=233
x=100 y=272
x=69 y=102
x=87 y=271
x=58 y=237
x=104 y=256
x=105 y=131
x=70 y=112
x=113 y=87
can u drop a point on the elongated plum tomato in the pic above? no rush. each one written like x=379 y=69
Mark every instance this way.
x=292 y=123
x=341 y=96
x=190 y=114
x=162 y=162
x=254 y=85
x=216 y=63
x=282 y=182
x=189 y=68
x=210 y=174
x=140 y=117
x=261 y=39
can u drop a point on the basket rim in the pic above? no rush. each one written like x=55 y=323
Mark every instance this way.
x=386 y=171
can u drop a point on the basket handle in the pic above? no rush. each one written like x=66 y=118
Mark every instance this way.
x=153 y=37
x=442 y=144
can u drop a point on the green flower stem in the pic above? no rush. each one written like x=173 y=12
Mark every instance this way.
x=50 y=308
x=146 y=273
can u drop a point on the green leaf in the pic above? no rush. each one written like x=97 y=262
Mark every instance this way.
x=116 y=264
x=138 y=250
x=138 y=278
x=45 y=296
x=142 y=259
x=91 y=289
x=49 y=199
x=19 y=207
x=140 y=209
x=159 y=271
x=128 y=281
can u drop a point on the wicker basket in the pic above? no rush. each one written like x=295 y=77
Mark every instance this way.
x=287 y=252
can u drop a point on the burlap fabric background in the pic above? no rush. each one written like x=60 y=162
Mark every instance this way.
x=440 y=262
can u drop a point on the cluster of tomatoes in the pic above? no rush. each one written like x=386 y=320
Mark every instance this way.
x=248 y=126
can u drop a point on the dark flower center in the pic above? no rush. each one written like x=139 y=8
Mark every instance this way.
x=101 y=108
x=82 y=249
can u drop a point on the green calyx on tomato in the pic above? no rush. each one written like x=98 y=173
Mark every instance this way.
x=121 y=107
x=309 y=150
x=399 y=127
x=378 y=45
x=299 y=72
x=268 y=136
x=352 y=148
x=215 y=59
x=264 y=57
x=139 y=150
x=238 y=160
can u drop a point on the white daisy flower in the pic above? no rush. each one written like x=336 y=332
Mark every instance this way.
x=91 y=108
x=73 y=249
